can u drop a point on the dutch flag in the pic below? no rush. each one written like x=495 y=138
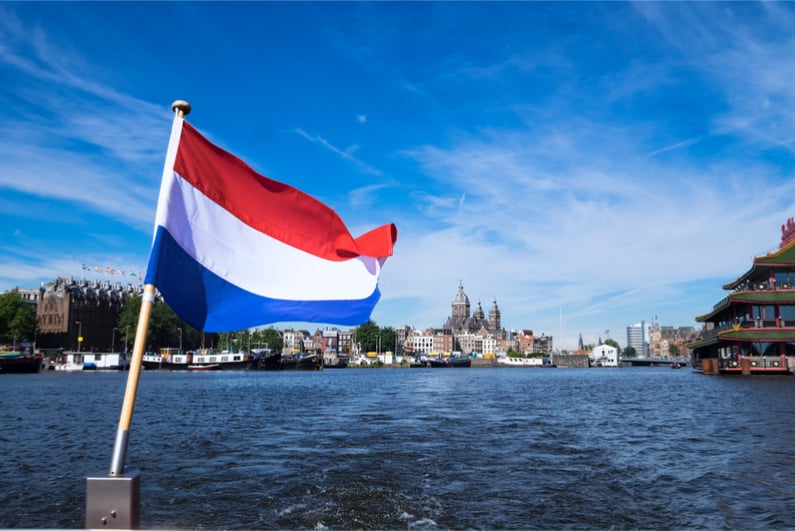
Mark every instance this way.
x=233 y=249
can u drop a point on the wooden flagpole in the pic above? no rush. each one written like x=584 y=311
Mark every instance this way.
x=113 y=501
x=182 y=108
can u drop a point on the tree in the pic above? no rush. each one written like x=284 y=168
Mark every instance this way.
x=267 y=338
x=367 y=336
x=17 y=319
x=164 y=326
x=388 y=337
x=630 y=352
x=613 y=343
x=673 y=350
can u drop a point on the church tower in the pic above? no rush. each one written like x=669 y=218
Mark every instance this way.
x=494 y=318
x=460 y=305
x=479 y=315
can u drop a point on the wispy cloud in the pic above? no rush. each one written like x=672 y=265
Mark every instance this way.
x=679 y=145
x=346 y=154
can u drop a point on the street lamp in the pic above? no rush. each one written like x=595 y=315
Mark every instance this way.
x=113 y=340
x=180 y=339
x=79 y=334
x=126 y=332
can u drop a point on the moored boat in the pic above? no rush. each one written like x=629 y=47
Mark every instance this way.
x=451 y=362
x=69 y=362
x=266 y=359
x=312 y=362
x=205 y=367
x=105 y=361
x=20 y=363
x=207 y=359
x=332 y=360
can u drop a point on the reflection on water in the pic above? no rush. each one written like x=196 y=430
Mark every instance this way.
x=409 y=448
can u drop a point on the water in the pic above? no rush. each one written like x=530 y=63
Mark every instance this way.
x=636 y=448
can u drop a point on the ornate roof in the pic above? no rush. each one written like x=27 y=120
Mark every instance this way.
x=461 y=297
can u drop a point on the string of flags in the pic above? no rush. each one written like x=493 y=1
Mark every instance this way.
x=107 y=270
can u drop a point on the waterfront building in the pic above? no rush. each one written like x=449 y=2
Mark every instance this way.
x=527 y=343
x=422 y=341
x=82 y=314
x=670 y=342
x=752 y=329
x=604 y=356
x=291 y=341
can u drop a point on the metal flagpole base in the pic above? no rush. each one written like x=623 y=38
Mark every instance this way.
x=113 y=502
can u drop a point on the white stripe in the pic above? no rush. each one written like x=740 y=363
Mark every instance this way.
x=255 y=261
x=167 y=179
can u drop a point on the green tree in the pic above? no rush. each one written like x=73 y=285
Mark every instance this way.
x=613 y=343
x=164 y=326
x=673 y=350
x=272 y=338
x=367 y=336
x=17 y=319
x=388 y=337
x=630 y=352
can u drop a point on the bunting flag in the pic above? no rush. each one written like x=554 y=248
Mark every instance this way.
x=113 y=271
x=233 y=249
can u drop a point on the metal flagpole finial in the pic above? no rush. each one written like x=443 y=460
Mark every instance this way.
x=181 y=105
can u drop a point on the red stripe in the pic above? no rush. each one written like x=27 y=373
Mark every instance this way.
x=271 y=207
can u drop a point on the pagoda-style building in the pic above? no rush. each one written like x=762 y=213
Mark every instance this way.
x=752 y=330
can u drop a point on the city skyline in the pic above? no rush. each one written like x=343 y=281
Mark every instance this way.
x=589 y=166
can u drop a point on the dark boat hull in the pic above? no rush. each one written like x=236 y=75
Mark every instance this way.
x=308 y=363
x=20 y=364
x=448 y=363
x=271 y=363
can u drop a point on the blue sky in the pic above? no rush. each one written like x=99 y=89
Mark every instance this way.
x=603 y=162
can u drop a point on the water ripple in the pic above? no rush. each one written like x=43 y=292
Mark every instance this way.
x=410 y=449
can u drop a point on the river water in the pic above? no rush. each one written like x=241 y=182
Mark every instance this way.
x=478 y=448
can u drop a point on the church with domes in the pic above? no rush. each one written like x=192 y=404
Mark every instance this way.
x=461 y=322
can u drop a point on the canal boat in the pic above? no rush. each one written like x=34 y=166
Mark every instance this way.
x=451 y=362
x=203 y=359
x=18 y=363
x=105 y=361
x=752 y=329
x=332 y=360
x=312 y=362
x=69 y=362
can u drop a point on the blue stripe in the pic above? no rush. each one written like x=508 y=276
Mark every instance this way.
x=208 y=302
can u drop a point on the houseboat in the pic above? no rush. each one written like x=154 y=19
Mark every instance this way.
x=752 y=329
x=203 y=359
x=105 y=361
x=69 y=362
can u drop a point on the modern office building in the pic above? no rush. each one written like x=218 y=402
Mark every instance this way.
x=638 y=338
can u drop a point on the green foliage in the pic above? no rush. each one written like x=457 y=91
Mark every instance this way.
x=368 y=335
x=164 y=327
x=514 y=354
x=613 y=343
x=269 y=337
x=673 y=350
x=629 y=352
x=17 y=319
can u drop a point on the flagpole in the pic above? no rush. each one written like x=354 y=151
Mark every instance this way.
x=113 y=501
x=181 y=108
